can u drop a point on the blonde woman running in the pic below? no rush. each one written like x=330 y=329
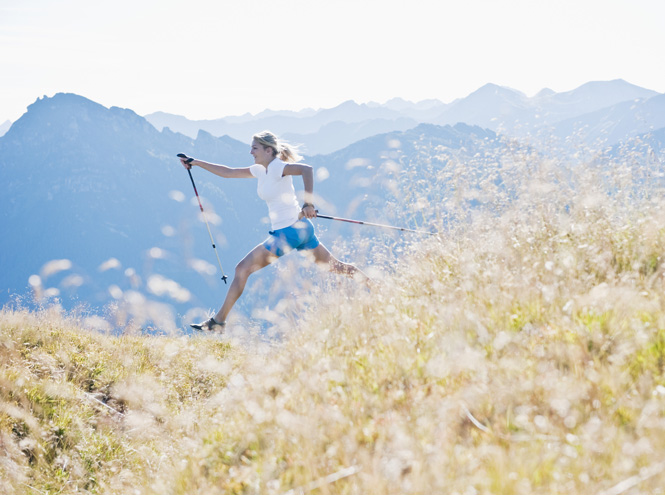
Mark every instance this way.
x=274 y=166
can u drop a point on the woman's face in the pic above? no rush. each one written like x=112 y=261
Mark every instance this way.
x=262 y=155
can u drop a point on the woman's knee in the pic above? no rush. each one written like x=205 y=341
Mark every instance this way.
x=241 y=271
x=244 y=269
x=253 y=262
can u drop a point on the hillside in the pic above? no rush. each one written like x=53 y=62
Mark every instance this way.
x=522 y=352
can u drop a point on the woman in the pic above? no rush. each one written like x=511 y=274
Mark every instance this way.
x=274 y=166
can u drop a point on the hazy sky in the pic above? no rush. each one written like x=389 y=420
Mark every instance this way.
x=211 y=58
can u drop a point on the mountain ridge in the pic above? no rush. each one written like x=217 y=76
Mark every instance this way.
x=491 y=106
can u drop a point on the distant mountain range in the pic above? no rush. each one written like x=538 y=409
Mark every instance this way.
x=493 y=107
x=101 y=187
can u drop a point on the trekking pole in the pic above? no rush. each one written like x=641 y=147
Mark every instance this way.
x=189 y=160
x=360 y=222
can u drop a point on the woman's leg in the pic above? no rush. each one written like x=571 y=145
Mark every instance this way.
x=257 y=258
x=323 y=256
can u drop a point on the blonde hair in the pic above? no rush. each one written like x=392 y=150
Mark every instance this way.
x=281 y=149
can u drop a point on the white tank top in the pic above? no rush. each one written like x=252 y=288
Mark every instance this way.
x=277 y=192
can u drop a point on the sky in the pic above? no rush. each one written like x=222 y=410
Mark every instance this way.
x=207 y=59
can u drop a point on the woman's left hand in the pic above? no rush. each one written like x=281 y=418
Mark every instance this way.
x=309 y=211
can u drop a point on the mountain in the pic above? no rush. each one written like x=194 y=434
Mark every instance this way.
x=5 y=127
x=102 y=187
x=500 y=108
x=618 y=122
x=490 y=106
x=588 y=98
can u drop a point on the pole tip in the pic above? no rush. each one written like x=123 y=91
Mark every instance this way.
x=224 y=277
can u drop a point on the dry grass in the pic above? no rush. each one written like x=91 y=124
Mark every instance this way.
x=524 y=353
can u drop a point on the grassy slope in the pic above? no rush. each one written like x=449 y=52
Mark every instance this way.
x=523 y=353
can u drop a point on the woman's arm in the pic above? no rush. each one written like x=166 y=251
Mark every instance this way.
x=308 y=182
x=221 y=170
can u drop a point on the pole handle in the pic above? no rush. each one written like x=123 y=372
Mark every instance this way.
x=185 y=157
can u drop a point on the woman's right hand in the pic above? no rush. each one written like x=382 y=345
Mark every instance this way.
x=185 y=160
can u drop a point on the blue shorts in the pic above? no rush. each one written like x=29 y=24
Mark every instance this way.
x=298 y=236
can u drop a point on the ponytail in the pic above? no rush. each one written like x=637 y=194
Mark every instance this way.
x=284 y=151
x=289 y=153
